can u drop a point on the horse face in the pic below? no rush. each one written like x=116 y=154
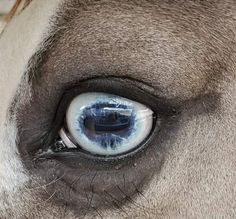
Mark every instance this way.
x=176 y=58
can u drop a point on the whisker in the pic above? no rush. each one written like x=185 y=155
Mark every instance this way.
x=97 y=212
x=75 y=181
x=139 y=192
x=46 y=199
x=65 y=210
x=130 y=200
x=115 y=202
x=48 y=184
x=124 y=180
x=92 y=189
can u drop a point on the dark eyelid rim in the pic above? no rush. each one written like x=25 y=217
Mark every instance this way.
x=121 y=86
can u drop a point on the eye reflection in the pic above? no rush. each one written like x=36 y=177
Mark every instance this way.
x=107 y=124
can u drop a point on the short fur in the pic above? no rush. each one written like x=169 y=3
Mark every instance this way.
x=183 y=52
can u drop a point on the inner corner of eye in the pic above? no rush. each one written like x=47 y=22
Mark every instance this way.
x=106 y=124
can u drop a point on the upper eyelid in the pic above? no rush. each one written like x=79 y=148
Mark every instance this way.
x=126 y=85
x=87 y=86
x=130 y=84
x=53 y=120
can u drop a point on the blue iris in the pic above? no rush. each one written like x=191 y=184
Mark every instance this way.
x=107 y=124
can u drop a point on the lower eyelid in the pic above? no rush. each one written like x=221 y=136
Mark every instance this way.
x=109 y=173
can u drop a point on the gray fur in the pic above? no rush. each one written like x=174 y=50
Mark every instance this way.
x=184 y=52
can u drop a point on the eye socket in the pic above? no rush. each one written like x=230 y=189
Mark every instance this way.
x=106 y=124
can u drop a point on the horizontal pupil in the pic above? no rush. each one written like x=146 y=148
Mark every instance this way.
x=108 y=118
x=107 y=124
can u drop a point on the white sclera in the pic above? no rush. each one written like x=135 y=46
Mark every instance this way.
x=143 y=122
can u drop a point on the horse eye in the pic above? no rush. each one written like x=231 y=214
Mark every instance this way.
x=106 y=124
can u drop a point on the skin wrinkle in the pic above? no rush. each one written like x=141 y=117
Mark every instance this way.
x=184 y=57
